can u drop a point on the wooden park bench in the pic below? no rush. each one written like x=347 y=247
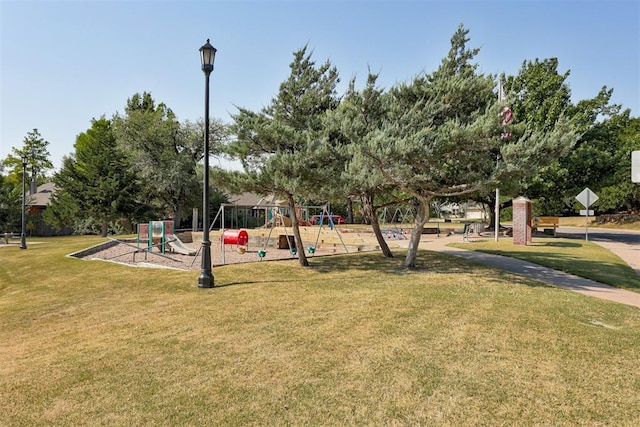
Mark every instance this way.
x=542 y=223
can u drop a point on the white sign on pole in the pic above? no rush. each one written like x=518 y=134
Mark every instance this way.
x=635 y=166
x=587 y=198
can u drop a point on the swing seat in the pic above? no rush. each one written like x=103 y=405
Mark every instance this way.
x=311 y=250
x=262 y=253
x=293 y=250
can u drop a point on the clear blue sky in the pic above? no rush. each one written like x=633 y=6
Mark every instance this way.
x=66 y=62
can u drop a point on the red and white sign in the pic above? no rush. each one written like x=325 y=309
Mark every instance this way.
x=507 y=115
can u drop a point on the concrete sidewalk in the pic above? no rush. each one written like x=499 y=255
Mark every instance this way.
x=538 y=272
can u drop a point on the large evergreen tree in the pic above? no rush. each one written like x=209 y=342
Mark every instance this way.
x=541 y=93
x=64 y=212
x=98 y=178
x=38 y=164
x=360 y=117
x=443 y=137
x=281 y=147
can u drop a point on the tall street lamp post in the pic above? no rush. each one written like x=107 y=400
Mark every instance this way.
x=207 y=57
x=23 y=235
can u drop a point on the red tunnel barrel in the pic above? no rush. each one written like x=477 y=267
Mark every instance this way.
x=235 y=237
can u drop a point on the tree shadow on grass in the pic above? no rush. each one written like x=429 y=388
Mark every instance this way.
x=256 y=282
x=557 y=244
x=428 y=262
x=365 y=265
x=376 y=262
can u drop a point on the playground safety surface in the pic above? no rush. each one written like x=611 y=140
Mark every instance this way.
x=127 y=254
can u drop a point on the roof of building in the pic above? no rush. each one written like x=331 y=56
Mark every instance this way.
x=250 y=199
x=43 y=194
x=244 y=199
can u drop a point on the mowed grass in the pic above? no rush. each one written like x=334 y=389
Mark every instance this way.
x=574 y=256
x=352 y=340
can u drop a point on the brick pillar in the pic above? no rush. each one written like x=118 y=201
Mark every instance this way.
x=521 y=221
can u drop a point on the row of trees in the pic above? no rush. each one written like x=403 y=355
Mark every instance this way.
x=139 y=165
x=440 y=135
x=435 y=137
x=135 y=166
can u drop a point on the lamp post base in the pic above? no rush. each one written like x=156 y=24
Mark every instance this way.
x=206 y=276
x=205 y=281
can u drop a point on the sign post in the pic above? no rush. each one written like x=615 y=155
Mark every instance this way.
x=635 y=166
x=587 y=198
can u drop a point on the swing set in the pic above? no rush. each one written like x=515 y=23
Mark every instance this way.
x=270 y=216
x=278 y=214
x=397 y=215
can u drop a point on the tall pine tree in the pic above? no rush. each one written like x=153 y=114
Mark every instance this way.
x=361 y=117
x=98 y=177
x=281 y=147
x=442 y=138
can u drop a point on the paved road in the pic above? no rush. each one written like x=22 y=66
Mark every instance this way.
x=627 y=237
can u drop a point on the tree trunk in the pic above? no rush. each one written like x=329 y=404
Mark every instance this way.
x=302 y=257
x=422 y=213
x=491 y=203
x=105 y=227
x=349 y=210
x=370 y=215
x=177 y=216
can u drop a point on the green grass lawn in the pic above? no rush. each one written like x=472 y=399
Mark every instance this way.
x=578 y=257
x=353 y=340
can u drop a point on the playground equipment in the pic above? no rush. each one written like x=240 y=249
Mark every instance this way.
x=394 y=215
x=235 y=237
x=312 y=249
x=234 y=216
x=179 y=247
x=137 y=249
x=278 y=217
x=269 y=216
x=160 y=233
x=290 y=242
x=261 y=215
x=319 y=219
x=154 y=233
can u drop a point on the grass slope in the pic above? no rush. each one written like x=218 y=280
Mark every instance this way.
x=353 y=340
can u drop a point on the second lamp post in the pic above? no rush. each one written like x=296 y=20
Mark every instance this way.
x=23 y=234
